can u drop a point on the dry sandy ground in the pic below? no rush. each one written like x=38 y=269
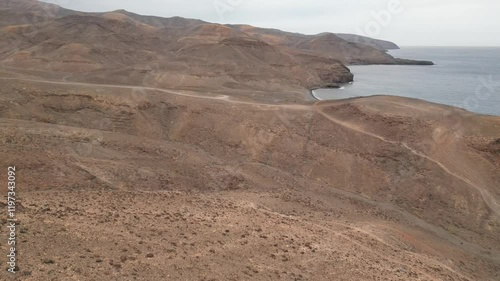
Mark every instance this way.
x=128 y=183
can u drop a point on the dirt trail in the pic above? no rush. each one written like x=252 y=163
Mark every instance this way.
x=202 y=195
x=224 y=98
x=487 y=197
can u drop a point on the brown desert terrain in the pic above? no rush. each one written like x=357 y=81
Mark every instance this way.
x=174 y=149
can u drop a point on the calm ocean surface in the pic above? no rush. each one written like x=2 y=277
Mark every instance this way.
x=464 y=77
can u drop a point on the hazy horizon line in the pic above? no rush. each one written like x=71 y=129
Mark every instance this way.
x=275 y=28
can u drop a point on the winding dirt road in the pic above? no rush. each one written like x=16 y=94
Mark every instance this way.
x=487 y=197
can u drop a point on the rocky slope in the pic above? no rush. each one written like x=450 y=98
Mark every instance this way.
x=128 y=183
x=376 y=43
x=350 y=49
x=128 y=48
x=175 y=149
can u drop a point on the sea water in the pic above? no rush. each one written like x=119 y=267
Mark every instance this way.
x=465 y=77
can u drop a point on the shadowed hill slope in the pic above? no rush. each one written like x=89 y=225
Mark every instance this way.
x=174 y=149
x=350 y=49
x=128 y=48
x=187 y=184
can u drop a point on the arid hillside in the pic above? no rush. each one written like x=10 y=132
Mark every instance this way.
x=376 y=43
x=140 y=184
x=175 y=149
x=348 y=48
x=122 y=47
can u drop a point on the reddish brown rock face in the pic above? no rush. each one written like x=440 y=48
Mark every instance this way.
x=183 y=53
x=188 y=184
x=174 y=149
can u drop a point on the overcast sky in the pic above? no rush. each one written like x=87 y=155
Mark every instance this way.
x=405 y=22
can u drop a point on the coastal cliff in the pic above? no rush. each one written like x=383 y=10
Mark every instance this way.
x=376 y=43
x=127 y=48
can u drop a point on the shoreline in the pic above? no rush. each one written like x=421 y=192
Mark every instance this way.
x=311 y=92
x=315 y=98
